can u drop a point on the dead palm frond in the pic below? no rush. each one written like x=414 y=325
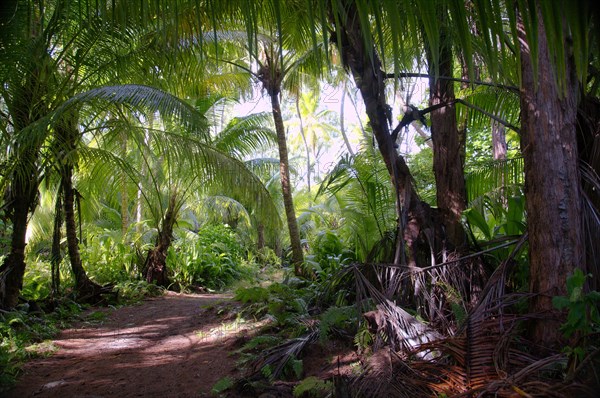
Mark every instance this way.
x=279 y=356
x=391 y=323
x=486 y=357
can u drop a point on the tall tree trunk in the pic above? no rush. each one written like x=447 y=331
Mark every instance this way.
x=13 y=267
x=286 y=186
x=499 y=147
x=448 y=150
x=260 y=230
x=552 y=182
x=304 y=140
x=86 y=289
x=365 y=65
x=56 y=255
x=21 y=201
x=124 y=194
x=156 y=262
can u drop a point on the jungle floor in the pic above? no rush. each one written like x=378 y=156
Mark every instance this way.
x=175 y=345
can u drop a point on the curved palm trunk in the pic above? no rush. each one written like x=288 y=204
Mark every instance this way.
x=67 y=135
x=286 y=188
x=552 y=183
x=365 y=65
x=156 y=262
x=86 y=289
x=21 y=201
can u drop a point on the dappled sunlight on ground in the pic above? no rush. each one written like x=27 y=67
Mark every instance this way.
x=173 y=345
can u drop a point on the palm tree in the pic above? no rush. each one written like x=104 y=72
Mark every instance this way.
x=274 y=71
x=204 y=167
x=28 y=71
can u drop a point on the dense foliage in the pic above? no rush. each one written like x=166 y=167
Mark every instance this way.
x=461 y=234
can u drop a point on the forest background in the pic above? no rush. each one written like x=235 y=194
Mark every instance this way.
x=461 y=202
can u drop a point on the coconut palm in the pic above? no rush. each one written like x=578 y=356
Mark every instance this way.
x=276 y=71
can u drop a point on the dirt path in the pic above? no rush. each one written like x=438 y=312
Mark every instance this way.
x=170 y=346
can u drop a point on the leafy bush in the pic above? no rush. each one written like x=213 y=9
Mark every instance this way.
x=134 y=291
x=286 y=304
x=328 y=255
x=337 y=319
x=583 y=317
x=20 y=332
x=211 y=258
x=36 y=281
x=313 y=387
x=108 y=260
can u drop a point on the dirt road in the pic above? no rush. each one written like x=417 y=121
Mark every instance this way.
x=170 y=346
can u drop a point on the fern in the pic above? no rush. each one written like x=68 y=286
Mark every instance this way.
x=363 y=338
x=261 y=341
x=252 y=295
x=222 y=385
x=313 y=387
x=341 y=318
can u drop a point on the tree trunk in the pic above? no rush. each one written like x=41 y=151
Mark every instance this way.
x=124 y=193
x=156 y=262
x=499 y=147
x=448 y=151
x=13 y=267
x=286 y=188
x=260 y=230
x=365 y=65
x=56 y=255
x=552 y=183
x=86 y=289
x=26 y=107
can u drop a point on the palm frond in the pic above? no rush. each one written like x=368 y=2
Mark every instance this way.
x=502 y=178
x=246 y=135
x=278 y=357
x=141 y=97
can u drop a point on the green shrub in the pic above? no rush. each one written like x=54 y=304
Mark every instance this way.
x=211 y=258
x=313 y=387
x=20 y=334
x=108 y=260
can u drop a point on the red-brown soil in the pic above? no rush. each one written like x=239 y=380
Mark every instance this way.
x=170 y=346
x=176 y=345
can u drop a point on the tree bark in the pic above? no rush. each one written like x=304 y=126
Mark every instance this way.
x=260 y=230
x=499 y=147
x=13 y=267
x=552 y=183
x=448 y=151
x=286 y=188
x=365 y=66
x=155 y=269
x=84 y=286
